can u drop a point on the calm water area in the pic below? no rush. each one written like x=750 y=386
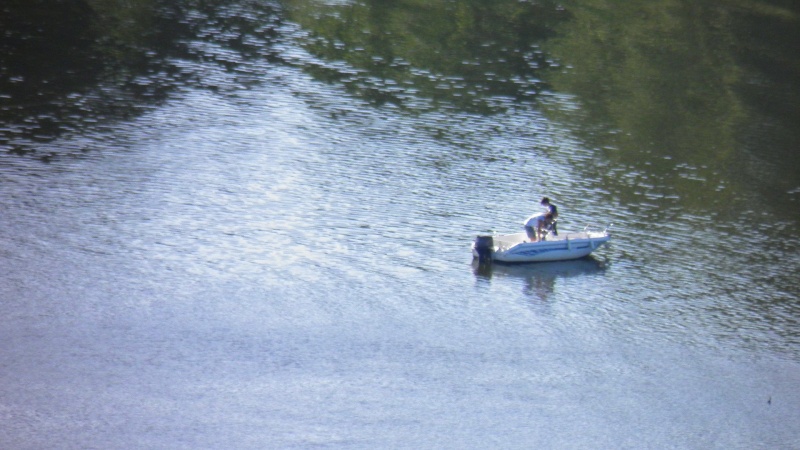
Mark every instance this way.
x=247 y=224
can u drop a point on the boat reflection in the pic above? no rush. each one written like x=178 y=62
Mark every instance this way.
x=540 y=277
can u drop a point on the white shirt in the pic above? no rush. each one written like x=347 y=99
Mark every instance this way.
x=535 y=220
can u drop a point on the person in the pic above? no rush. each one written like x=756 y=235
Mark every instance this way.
x=552 y=209
x=536 y=226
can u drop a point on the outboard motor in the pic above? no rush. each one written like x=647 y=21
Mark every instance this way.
x=484 y=247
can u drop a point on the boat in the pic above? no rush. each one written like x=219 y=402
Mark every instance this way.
x=517 y=247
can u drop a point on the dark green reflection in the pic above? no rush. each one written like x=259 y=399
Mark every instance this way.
x=694 y=103
x=699 y=100
x=67 y=65
x=473 y=55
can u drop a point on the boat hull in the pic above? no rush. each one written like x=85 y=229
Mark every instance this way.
x=514 y=248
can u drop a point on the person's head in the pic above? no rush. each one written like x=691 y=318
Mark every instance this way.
x=548 y=218
x=545 y=201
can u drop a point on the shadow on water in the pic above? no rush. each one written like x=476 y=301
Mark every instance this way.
x=474 y=56
x=683 y=120
x=540 y=278
x=74 y=67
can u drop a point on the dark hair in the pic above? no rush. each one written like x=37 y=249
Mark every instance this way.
x=545 y=200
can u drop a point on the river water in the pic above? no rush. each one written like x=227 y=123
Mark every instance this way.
x=256 y=235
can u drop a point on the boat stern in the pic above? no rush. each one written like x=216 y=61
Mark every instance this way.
x=483 y=248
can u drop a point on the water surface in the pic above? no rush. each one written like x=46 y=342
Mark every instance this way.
x=247 y=225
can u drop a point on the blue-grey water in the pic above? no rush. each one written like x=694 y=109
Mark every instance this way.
x=266 y=245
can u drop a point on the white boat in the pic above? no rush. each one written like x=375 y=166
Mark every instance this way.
x=517 y=247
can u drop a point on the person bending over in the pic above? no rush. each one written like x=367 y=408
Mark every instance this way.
x=536 y=226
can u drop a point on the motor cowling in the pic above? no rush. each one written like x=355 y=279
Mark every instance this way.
x=484 y=247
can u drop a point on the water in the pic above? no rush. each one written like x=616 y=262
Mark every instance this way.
x=244 y=253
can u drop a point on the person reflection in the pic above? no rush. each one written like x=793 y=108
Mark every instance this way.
x=539 y=287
